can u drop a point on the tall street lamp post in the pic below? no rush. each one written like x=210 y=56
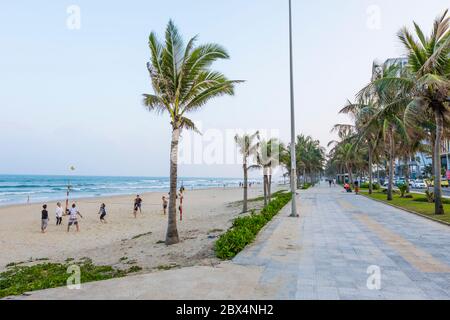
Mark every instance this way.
x=293 y=156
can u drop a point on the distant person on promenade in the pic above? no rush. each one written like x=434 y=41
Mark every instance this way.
x=102 y=213
x=334 y=182
x=356 y=187
x=347 y=187
x=137 y=205
x=73 y=217
x=44 y=218
x=58 y=213
x=164 y=203
x=330 y=182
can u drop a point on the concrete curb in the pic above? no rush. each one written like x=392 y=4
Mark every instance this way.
x=407 y=210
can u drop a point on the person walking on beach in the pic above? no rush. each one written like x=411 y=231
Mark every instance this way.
x=44 y=218
x=164 y=203
x=73 y=219
x=59 y=213
x=102 y=213
x=137 y=205
x=181 y=204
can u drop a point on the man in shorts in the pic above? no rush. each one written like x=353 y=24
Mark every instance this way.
x=44 y=218
x=102 y=213
x=73 y=219
x=137 y=205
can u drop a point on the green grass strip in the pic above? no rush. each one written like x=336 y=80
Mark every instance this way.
x=17 y=280
x=417 y=203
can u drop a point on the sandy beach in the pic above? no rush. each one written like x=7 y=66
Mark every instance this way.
x=124 y=241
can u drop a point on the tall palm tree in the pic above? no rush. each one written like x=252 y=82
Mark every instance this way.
x=368 y=137
x=310 y=158
x=248 y=146
x=268 y=157
x=429 y=61
x=391 y=101
x=182 y=82
x=428 y=87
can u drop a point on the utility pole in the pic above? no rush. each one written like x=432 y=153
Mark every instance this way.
x=293 y=155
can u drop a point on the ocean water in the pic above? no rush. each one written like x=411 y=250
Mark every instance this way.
x=17 y=189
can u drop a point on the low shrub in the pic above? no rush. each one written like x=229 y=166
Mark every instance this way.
x=403 y=188
x=393 y=191
x=245 y=229
x=425 y=199
x=429 y=196
x=19 y=279
x=306 y=186
x=375 y=186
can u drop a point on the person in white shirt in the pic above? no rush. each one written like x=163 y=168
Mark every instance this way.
x=59 y=213
x=73 y=213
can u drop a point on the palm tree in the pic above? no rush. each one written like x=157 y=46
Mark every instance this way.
x=391 y=102
x=368 y=137
x=310 y=158
x=429 y=61
x=428 y=86
x=182 y=82
x=268 y=157
x=248 y=146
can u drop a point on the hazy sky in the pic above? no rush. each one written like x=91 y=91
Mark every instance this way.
x=73 y=96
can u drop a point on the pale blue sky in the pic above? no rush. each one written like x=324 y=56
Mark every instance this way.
x=73 y=96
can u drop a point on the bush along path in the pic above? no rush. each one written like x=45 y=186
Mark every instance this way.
x=245 y=229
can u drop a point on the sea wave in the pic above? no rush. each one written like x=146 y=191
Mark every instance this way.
x=17 y=189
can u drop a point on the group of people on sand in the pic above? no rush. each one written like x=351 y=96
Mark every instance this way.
x=250 y=184
x=180 y=197
x=74 y=213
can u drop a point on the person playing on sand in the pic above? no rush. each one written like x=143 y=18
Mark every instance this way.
x=137 y=205
x=73 y=219
x=180 y=196
x=102 y=213
x=44 y=218
x=59 y=213
x=165 y=203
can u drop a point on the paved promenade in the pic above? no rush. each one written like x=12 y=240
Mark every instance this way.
x=342 y=247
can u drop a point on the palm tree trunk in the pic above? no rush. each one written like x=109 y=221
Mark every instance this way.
x=378 y=173
x=265 y=188
x=407 y=172
x=370 y=171
x=244 y=209
x=438 y=207
x=391 y=166
x=269 y=187
x=172 y=232
x=350 y=176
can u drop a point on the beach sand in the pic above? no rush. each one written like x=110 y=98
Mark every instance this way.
x=124 y=241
